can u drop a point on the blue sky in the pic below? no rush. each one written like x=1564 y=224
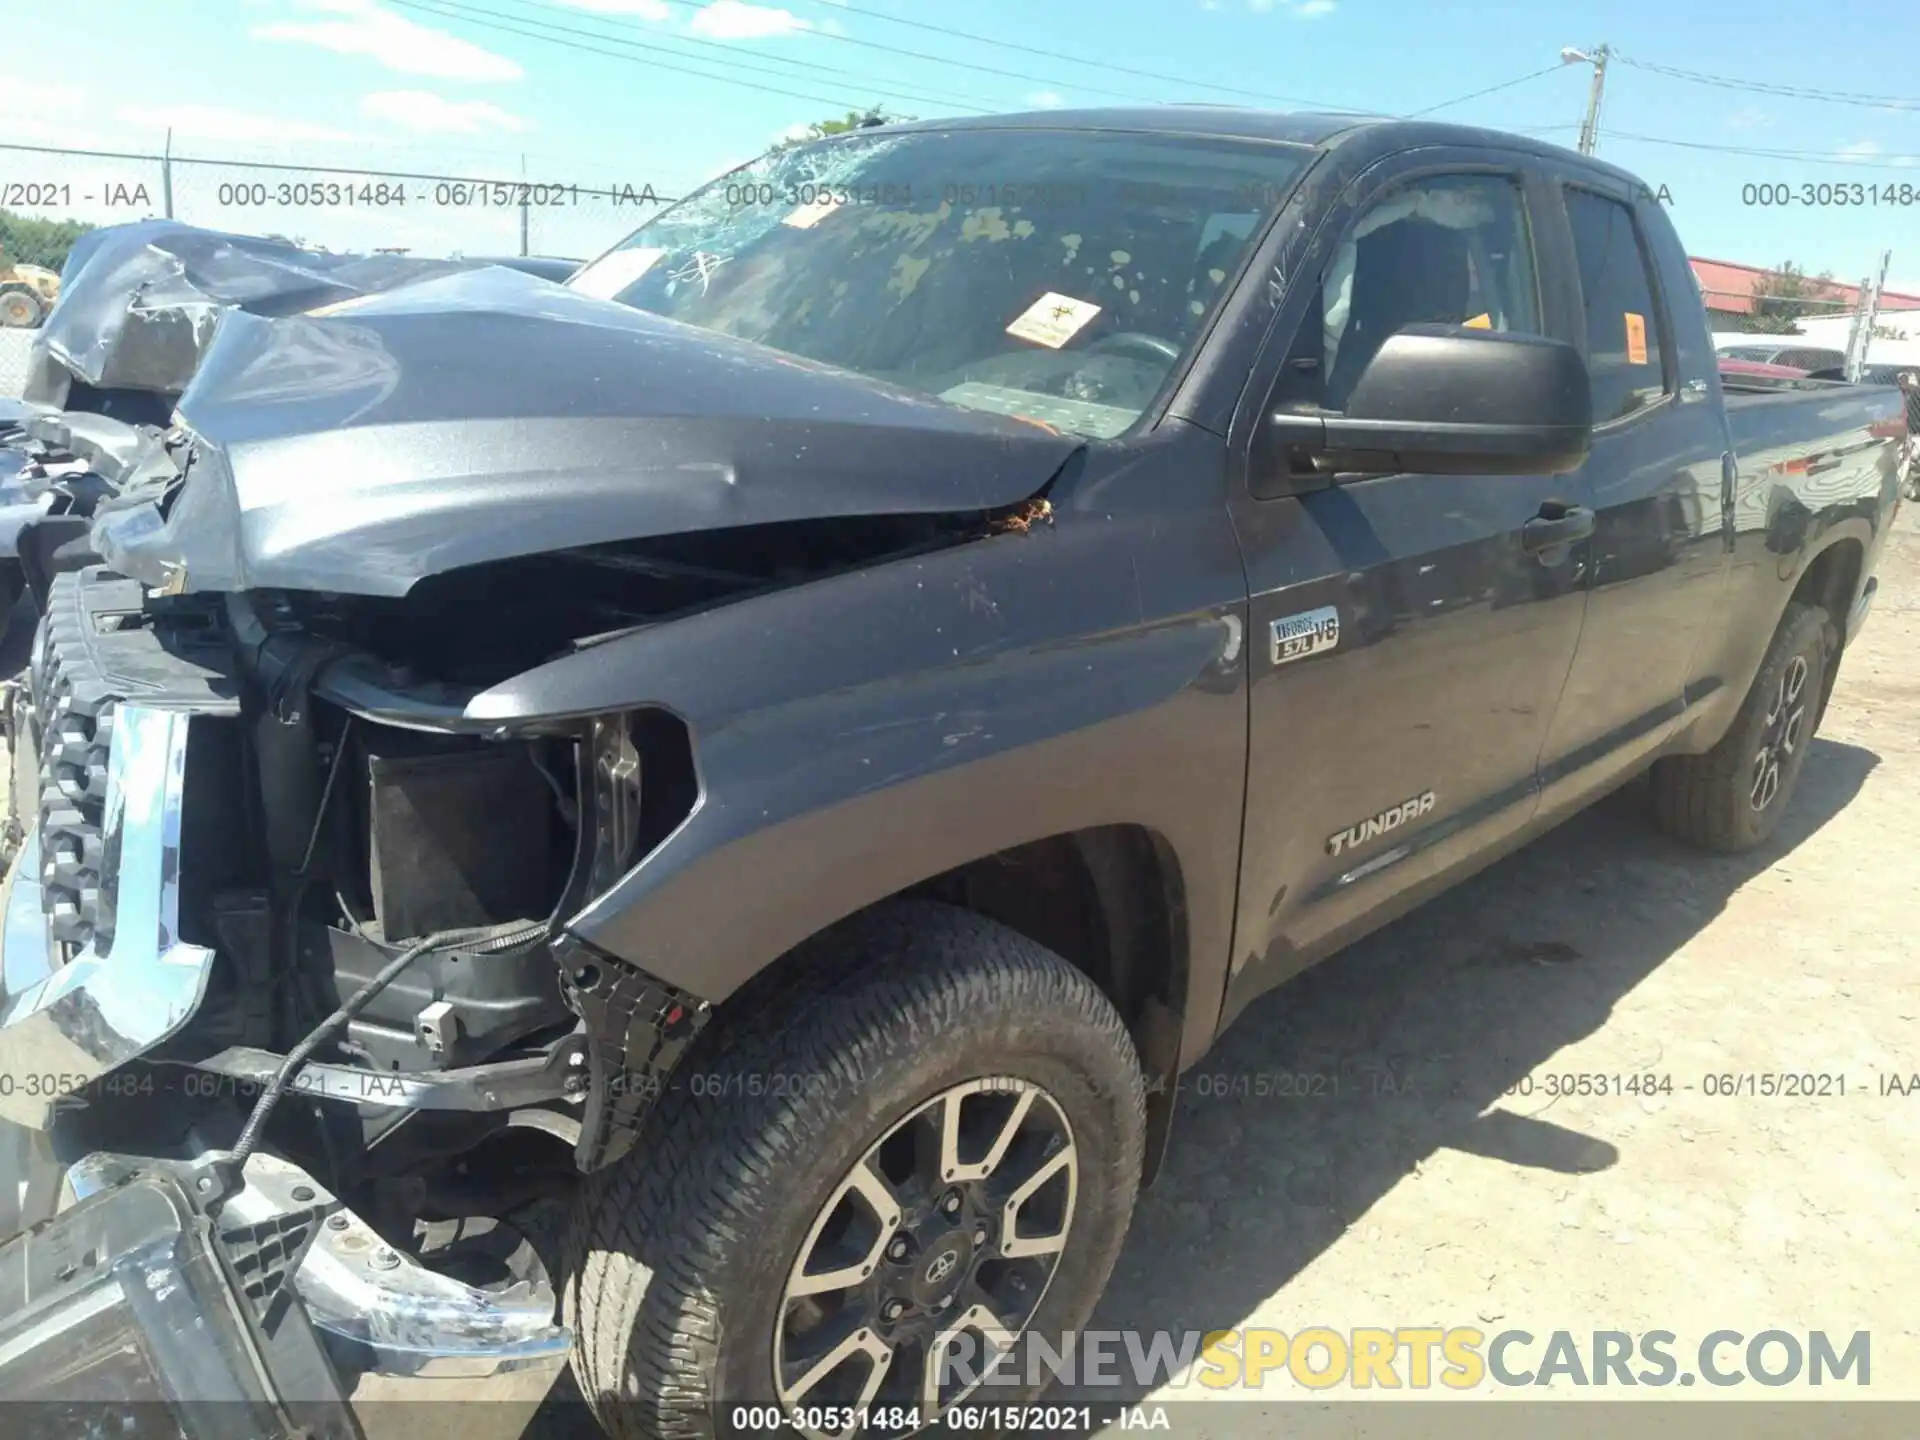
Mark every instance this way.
x=469 y=87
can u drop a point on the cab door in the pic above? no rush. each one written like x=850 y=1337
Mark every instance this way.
x=1658 y=472
x=1409 y=633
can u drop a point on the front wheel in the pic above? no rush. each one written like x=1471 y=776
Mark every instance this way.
x=20 y=309
x=926 y=1147
x=1732 y=797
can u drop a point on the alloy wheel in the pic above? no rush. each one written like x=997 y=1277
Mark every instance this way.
x=931 y=1256
x=1781 y=734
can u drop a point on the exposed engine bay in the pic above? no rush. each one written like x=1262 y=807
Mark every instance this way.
x=341 y=812
x=302 y=905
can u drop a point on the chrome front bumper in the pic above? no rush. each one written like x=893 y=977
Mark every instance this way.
x=134 y=1301
x=392 y=1328
x=62 y=1027
x=381 y=1315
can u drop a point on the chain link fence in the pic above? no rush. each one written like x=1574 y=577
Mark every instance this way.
x=341 y=208
x=13 y=362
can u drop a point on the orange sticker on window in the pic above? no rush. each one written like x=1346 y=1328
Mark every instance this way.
x=1636 y=339
x=1482 y=321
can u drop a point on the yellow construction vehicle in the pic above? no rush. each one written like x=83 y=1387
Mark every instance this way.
x=27 y=294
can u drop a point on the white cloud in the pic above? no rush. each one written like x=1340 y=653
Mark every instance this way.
x=391 y=40
x=1859 y=150
x=656 y=10
x=1749 y=117
x=220 y=122
x=424 y=110
x=1313 y=9
x=799 y=130
x=36 y=109
x=1045 y=100
x=739 y=20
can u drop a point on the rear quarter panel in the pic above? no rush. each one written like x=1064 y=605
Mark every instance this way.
x=1815 y=468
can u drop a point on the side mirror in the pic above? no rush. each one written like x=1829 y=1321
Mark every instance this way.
x=1454 y=400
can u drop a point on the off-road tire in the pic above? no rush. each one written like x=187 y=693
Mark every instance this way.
x=1705 y=799
x=681 y=1252
x=20 y=308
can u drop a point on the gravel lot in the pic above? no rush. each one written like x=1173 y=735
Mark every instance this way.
x=1427 y=1191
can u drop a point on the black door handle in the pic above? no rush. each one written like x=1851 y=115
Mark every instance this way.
x=1564 y=525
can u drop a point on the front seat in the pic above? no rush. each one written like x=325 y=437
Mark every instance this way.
x=1409 y=272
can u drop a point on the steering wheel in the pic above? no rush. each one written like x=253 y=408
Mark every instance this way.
x=1137 y=342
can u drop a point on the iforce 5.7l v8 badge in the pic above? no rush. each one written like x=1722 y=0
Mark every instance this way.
x=1297 y=636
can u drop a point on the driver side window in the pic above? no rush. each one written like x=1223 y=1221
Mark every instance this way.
x=1446 y=249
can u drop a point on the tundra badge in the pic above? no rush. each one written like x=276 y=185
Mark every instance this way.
x=1297 y=636
x=1391 y=818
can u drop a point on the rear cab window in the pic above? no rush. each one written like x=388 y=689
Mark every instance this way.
x=1629 y=358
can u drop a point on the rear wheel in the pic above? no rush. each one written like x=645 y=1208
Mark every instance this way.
x=1732 y=797
x=927 y=1147
x=20 y=308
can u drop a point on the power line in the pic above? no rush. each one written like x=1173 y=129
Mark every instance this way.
x=941 y=60
x=1763 y=87
x=1874 y=161
x=1050 y=55
x=732 y=52
x=1491 y=89
x=838 y=101
x=1059 y=57
x=551 y=34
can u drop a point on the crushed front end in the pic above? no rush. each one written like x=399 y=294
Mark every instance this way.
x=234 y=813
x=339 y=751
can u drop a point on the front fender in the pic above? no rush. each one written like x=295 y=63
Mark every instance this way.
x=862 y=733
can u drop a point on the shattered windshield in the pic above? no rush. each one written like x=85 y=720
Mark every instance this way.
x=1056 y=275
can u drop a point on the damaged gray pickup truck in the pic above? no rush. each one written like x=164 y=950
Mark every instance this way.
x=693 y=820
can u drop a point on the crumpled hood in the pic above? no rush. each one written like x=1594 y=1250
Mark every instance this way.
x=484 y=415
x=140 y=302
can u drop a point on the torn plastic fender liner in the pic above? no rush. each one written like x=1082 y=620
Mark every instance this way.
x=638 y=1028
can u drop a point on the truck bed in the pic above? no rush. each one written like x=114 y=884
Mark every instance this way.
x=1807 y=445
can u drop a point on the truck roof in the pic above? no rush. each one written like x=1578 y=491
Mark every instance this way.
x=1307 y=128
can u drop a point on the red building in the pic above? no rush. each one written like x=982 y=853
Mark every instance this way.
x=1727 y=289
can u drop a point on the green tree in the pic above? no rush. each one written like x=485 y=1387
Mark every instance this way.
x=25 y=240
x=853 y=120
x=1784 y=296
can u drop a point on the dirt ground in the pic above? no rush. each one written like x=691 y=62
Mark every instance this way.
x=1426 y=1191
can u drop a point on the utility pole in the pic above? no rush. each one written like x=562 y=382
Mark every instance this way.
x=1860 y=341
x=525 y=196
x=1590 y=125
x=166 y=175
